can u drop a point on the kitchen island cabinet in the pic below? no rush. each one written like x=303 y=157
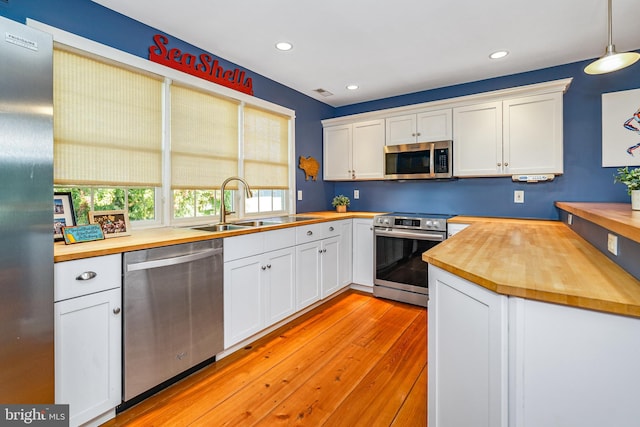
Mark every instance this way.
x=557 y=321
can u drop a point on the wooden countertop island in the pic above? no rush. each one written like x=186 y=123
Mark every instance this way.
x=539 y=260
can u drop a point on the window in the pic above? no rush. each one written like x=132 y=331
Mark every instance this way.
x=148 y=142
x=107 y=136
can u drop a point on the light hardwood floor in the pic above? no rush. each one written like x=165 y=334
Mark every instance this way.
x=354 y=361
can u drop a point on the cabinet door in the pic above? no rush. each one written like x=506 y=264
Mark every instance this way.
x=368 y=150
x=345 y=253
x=477 y=131
x=243 y=307
x=400 y=130
x=88 y=351
x=363 y=252
x=468 y=366
x=454 y=228
x=307 y=274
x=434 y=126
x=280 y=292
x=337 y=153
x=532 y=136
x=330 y=271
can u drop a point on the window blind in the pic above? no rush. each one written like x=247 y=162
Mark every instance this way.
x=204 y=139
x=107 y=123
x=266 y=149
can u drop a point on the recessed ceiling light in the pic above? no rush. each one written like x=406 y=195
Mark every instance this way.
x=352 y=87
x=499 y=54
x=284 y=46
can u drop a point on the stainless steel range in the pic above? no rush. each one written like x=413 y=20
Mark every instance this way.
x=399 y=241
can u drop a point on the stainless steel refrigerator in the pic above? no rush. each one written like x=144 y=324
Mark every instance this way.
x=26 y=215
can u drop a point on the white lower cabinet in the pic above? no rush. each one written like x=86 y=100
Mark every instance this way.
x=467 y=370
x=496 y=360
x=572 y=367
x=317 y=272
x=88 y=344
x=258 y=292
x=363 y=252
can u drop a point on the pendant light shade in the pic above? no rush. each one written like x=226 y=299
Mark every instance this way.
x=611 y=60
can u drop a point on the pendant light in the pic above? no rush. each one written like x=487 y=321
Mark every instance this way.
x=611 y=60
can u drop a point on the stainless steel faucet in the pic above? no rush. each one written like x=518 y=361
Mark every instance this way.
x=223 y=210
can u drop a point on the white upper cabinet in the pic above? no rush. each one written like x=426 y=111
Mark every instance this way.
x=532 y=134
x=477 y=142
x=509 y=137
x=354 y=151
x=506 y=132
x=426 y=126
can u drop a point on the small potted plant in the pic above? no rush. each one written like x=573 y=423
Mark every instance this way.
x=340 y=203
x=631 y=178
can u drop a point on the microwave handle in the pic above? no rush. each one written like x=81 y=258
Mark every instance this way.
x=432 y=171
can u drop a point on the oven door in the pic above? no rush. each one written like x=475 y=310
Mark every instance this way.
x=398 y=258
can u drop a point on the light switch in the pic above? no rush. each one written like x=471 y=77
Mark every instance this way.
x=612 y=244
x=299 y=194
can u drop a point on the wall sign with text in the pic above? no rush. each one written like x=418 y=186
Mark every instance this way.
x=202 y=66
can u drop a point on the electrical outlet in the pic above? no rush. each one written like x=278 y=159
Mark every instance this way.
x=299 y=194
x=356 y=194
x=518 y=196
x=570 y=219
x=612 y=244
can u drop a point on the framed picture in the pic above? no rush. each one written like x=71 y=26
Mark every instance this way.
x=113 y=223
x=621 y=128
x=63 y=214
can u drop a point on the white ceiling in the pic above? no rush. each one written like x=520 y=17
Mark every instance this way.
x=390 y=47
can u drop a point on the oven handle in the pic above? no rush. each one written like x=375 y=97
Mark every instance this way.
x=432 y=171
x=438 y=237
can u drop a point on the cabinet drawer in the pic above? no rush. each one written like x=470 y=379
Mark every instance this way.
x=310 y=233
x=332 y=228
x=101 y=273
x=257 y=243
x=279 y=239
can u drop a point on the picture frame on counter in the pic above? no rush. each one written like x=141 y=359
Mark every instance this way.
x=114 y=223
x=63 y=214
x=82 y=233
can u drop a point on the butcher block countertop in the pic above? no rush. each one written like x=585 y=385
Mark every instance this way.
x=616 y=217
x=540 y=260
x=165 y=236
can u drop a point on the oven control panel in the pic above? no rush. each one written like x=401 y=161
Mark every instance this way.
x=412 y=221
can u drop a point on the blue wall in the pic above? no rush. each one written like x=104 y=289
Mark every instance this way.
x=584 y=179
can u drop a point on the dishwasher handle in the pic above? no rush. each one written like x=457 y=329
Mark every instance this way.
x=165 y=262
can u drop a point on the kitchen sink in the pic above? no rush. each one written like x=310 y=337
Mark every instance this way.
x=220 y=227
x=256 y=223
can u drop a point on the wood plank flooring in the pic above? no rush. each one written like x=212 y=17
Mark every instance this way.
x=354 y=361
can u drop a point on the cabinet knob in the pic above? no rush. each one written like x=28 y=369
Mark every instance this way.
x=324 y=251
x=320 y=251
x=418 y=134
x=268 y=265
x=353 y=174
x=506 y=164
x=116 y=310
x=499 y=164
x=309 y=233
x=87 y=275
x=331 y=228
x=264 y=267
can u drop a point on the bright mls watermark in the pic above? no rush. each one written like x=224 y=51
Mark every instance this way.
x=34 y=415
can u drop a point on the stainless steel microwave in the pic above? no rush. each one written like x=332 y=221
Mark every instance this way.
x=423 y=160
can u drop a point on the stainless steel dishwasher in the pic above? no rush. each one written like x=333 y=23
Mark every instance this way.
x=173 y=312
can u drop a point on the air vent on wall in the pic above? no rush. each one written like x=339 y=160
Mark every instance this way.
x=323 y=92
